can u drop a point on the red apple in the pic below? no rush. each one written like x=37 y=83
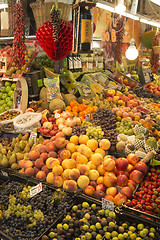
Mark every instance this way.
x=53 y=133
x=122 y=180
x=89 y=190
x=132 y=158
x=43 y=120
x=113 y=191
x=136 y=176
x=119 y=199
x=46 y=131
x=109 y=198
x=123 y=173
x=130 y=168
x=110 y=92
x=127 y=191
x=99 y=194
x=121 y=164
x=142 y=167
x=101 y=187
x=132 y=184
x=52 y=119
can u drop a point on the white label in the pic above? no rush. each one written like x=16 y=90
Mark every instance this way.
x=106 y=204
x=88 y=117
x=3 y=64
x=35 y=190
x=57 y=115
x=34 y=136
x=4 y=174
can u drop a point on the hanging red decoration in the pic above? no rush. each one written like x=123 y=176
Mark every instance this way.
x=59 y=49
x=19 y=36
x=119 y=39
x=155 y=57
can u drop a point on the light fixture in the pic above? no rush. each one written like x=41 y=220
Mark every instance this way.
x=3 y=6
x=120 y=8
x=156 y=2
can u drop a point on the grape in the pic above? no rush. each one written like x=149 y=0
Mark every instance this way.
x=94 y=132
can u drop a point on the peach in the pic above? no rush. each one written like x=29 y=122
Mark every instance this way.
x=50 y=147
x=70 y=185
x=28 y=164
x=59 y=134
x=36 y=170
x=113 y=191
x=100 y=180
x=57 y=181
x=104 y=144
x=33 y=155
x=21 y=163
x=46 y=141
x=41 y=175
x=132 y=158
x=84 y=169
x=60 y=142
x=96 y=158
x=136 y=176
x=51 y=162
x=45 y=169
x=121 y=164
x=42 y=149
x=129 y=168
x=71 y=147
x=75 y=155
x=108 y=163
x=69 y=163
x=66 y=174
x=22 y=171
x=132 y=184
x=89 y=190
x=39 y=163
x=80 y=147
x=92 y=144
x=36 y=148
x=122 y=180
x=101 y=169
x=110 y=179
x=101 y=151
x=52 y=154
x=83 y=181
x=74 y=174
x=93 y=174
x=127 y=191
x=119 y=199
x=44 y=156
x=50 y=177
x=109 y=198
x=29 y=171
x=91 y=165
x=142 y=167
x=65 y=154
x=86 y=151
x=81 y=159
x=74 y=139
x=83 y=139
x=57 y=170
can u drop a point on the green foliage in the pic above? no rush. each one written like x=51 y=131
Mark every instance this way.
x=147 y=38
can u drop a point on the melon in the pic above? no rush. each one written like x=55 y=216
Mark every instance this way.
x=56 y=104
x=43 y=93
x=68 y=98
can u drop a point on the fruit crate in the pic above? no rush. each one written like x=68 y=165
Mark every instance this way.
x=49 y=203
x=118 y=218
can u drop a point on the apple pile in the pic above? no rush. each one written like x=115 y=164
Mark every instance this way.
x=6 y=96
x=123 y=80
x=128 y=113
x=118 y=178
x=49 y=127
x=153 y=88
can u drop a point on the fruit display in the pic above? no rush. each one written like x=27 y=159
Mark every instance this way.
x=49 y=126
x=6 y=96
x=89 y=221
x=152 y=88
x=28 y=217
x=126 y=127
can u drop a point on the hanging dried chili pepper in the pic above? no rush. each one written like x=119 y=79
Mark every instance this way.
x=19 y=36
x=119 y=39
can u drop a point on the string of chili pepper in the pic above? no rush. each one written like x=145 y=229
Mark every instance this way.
x=155 y=57
x=119 y=39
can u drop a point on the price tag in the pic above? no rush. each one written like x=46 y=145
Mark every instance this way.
x=106 y=204
x=35 y=190
x=57 y=115
x=4 y=174
x=88 y=117
x=40 y=82
x=34 y=136
x=3 y=64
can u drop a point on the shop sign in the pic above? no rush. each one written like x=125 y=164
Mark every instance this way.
x=35 y=190
x=106 y=204
x=34 y=136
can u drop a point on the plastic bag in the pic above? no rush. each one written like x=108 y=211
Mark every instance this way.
x=53 y=88
x=27 y=122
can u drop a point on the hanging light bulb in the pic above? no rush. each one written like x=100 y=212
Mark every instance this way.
x=120 y=8
x=132 y=52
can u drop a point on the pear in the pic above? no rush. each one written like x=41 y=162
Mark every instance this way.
x=31 y=142
x=22 y=145
x=4 y=162
x=26 y=155
x=14 y=166
x=17 y=140
x=4 y=151
x=20 y=136
x=12 y=159
x=16 y=148
x=9 y=154
x=40 y=139
x=25 y=137
x=27 y=148
x=33 y=146
x=1 y=146
x=1 y=156
x=19 y=156
x=13 y=142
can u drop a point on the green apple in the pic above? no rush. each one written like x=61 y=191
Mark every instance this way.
x=8 y=99
x=2 y=109
x=4 y=105
x=7 y=84
x=2 y=102
x=11 y=97
x=3 y=89
x=4 y=95
x=9 y=104
x=10 y=93
x=1 y=95
x=8 y=88
x=13 y=86
x=7 y=108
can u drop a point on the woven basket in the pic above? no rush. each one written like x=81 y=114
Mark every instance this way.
x=41 y=11
x=156 y=49
x=9 y=32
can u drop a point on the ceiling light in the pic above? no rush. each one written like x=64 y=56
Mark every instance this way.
x=132 y=52
x=156 y=2
x=120 y=8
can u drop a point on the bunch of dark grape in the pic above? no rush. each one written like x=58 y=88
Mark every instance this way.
x=79 y=130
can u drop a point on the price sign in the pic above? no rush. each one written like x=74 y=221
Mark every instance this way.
x=88 y=117
x=57 y=115
x=3 y=64
x=4 y=174
x=106 y=204
x=34 y=136
x=35 y=190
